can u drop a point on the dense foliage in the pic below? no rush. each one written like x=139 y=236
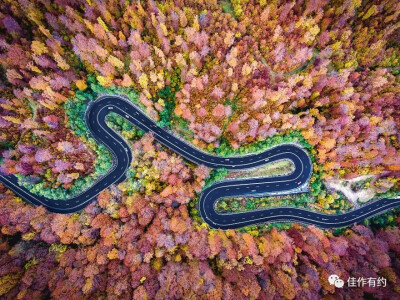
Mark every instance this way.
x=231 y=77
x=133 y=247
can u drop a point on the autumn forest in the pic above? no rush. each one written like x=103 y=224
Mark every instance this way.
x=231 y=78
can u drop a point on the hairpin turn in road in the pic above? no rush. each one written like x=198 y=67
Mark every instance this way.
x=95 y=119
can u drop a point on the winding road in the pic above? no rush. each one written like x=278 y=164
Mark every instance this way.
x=295 y=182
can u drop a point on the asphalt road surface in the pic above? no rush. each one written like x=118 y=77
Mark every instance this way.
x=288 y=184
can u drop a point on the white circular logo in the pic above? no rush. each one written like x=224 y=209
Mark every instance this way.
x=332 y=279
x=339 y=283
x=336 y=281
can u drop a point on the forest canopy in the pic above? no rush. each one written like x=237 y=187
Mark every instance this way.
x=228 y=77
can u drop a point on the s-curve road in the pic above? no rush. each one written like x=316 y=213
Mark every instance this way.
x=95 y=119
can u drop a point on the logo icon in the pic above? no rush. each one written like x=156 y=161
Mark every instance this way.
x=336 y=281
